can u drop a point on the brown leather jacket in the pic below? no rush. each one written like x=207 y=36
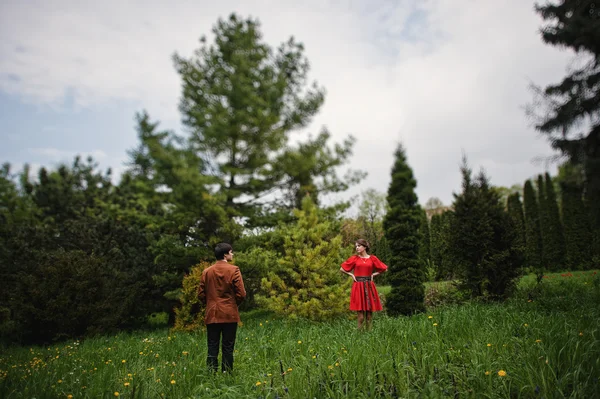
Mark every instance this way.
x=221 y=289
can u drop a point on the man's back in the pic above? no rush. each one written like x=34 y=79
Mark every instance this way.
x=222 y=290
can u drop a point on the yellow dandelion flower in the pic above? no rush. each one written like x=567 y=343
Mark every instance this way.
x=268 y=375
x=435 y=324
x=116 y=393
x=185 y=353
x=299 y=342
x=314 y=356
x=337 y=365
x=258 y=383
x=330 y=367
x=489 y=345
x=141 y=353
x=69 y=396
x=538 y=340
x=487 y=373
x=526 y=325
x=59 y=381
x=502 y=373
x=126 y=384
x=260 y=324
x=289 y=369
x=173 y=382
x=430 y=317
x=123 y=361
x=580 y=334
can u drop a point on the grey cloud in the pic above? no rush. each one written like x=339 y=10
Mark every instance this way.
x=441 y=75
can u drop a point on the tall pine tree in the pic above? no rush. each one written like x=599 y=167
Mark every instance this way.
x=401 y=226
x=241 y=99
x=533 y=235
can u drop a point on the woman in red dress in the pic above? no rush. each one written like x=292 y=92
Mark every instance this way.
x=363 y=296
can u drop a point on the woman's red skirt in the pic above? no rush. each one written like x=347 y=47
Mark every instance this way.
x=364 y=297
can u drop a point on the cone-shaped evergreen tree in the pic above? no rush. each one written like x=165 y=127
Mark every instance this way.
x=483 y=239
x=425 y=247
x=307 y=282
x=515 y=210
x=555 y=240
x=435 y=251
x=577 y=228
x=401 y=226
x=533 y=235
x=544 y=219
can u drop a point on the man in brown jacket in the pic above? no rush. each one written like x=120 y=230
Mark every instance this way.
x=221 y=290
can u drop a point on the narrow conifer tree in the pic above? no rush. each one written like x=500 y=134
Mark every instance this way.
x=544 y=219
x=425 y=247
x=401 y=226
x=515 y=210
x=533 y=235
x=577 y=227
x=555 y=239
x=483 y=238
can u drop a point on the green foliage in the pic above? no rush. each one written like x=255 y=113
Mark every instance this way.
x=533 y=234
x=75 y=247
x=578 y=231
x=401 y=225
x=567 y=112
x=515 y=210
x=255 y=264
x=189 y=315
x=307 y=283
x=441 y=254
x=483 y=239
x=241 y=99
x=425 y=245
x=554 y=239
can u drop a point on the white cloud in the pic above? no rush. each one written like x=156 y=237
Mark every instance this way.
x=441 y=75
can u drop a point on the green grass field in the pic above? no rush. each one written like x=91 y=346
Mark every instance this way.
x=548 y=346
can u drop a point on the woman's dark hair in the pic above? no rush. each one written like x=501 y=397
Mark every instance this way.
x=221 y=250
x=364 y=243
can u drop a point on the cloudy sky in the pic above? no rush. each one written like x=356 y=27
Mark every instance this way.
x=441 y=76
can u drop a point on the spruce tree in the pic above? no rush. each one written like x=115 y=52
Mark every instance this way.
x=555 y=239
x=484 y=240
x=533 y=235
x=401 y=226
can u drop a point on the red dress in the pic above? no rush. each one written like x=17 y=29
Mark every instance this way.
x=363 y=296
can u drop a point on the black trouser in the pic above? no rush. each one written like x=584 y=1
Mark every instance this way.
x=214 y=332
